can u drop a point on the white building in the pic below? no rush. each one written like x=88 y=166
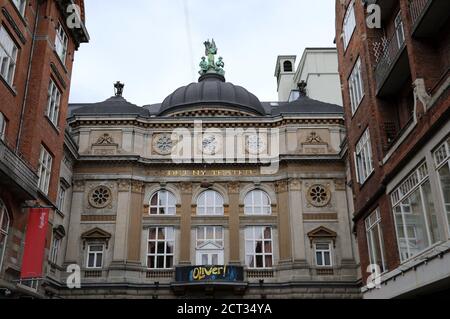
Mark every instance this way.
x=318 y=68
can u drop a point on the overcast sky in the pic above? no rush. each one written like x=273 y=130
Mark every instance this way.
x=153 y=48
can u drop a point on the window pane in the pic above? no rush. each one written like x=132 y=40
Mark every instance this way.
x=99 y=260
x=169 y=262
x=269 y=262
x=91 y=259
x=259 y=261
x=327 y=259
x=319 y=259
x=151 y=262
x=444 y=174
x=430 y=212
x=259 y=247
x=151 y=248
x=161 y=248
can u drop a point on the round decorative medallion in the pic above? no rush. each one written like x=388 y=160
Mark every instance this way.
x=100 y=197
x=319 y=195
x=211 y=144
x=163 y=144
x=256 y=145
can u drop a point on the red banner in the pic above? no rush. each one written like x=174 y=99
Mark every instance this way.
x=33 y=256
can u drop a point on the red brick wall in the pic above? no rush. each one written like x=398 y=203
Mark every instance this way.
x=428 y=59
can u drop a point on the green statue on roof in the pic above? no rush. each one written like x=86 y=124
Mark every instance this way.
x=210 y=65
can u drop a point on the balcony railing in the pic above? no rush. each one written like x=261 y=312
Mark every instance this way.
x=390 y=51
x=416 y=8
x=18 y=170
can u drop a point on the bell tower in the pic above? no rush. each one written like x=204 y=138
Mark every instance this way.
x=285 y=72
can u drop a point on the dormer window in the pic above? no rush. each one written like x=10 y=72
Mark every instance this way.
x=287 y=66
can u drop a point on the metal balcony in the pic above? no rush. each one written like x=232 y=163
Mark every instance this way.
x=16 y=174
x=428 y=16
x=392 y=69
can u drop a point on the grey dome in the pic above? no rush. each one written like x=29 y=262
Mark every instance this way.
x=212 y=90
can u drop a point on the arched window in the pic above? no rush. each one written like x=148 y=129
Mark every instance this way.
x=257 y=202
x=163 y=203
x=287 y=66
x=4 y=228
x=210 y=203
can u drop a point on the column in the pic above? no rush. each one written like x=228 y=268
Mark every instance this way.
x=284 y=228
x=73 y=240
x=135 y=223
x=185 y=224
x=234 y=210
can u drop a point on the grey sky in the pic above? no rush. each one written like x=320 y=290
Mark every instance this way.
x=145 y=43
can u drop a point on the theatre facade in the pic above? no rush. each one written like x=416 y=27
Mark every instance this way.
x=210 y=193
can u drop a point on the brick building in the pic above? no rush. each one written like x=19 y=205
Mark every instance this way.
x=38 y=40
x=395 y=87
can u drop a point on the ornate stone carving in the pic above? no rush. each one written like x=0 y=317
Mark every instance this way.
x=318 y=195
x=186 y=187
x=100 y=197
x=339 y=185
x=137 y=186
x=163 y=144
x=124 y=185
x=105 y=139
x=313 y=138
x=281 y=186
x=79 y=186
x=233 y=187
x=295 y=185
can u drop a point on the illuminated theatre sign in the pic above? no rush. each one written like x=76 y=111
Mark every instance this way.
x=209 y=273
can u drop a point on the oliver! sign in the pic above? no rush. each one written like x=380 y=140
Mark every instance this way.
x=209 y=273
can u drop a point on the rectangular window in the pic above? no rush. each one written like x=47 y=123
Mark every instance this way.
x=415 y=216
x=323 y=254
x=160 y=250
x=45 y=170
x=2 y=127
x=356 y=87
x=210 y=234
x=61 y=198
x=95 y=257
x=56 y=244
x=61 y=43
x=375 y=240
x=258 y=247
x=8 y=56
x=20 y=5
x=349 y=24
x=442 y=162
x=399 y=30
x=363 y=158
x=53 y=102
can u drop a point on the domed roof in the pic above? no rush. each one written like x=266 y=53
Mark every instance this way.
x=213 y=91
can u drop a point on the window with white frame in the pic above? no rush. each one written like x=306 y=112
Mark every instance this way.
x=4 y=228
x=349 y=25
x=163 y=203
x=161 y=248
x=45 y=170
x=210 y=203
x=2 y=127
x=323 y=254
x=210 y=234
x=257 y=202
x=415 y=216
x=20 y=5
x=363 y=158
x=61 y=198
x=442 y=163
x=259 y=247
x=95 y=256
x=56 y=245
x=53 y=102
x=8 y=56
x=356 y=86
x=375 y=240
x=61 y=43
x=399 y=30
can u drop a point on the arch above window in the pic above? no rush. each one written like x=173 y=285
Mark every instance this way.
x=257 y=202
x=210 y=203
x=163 y=202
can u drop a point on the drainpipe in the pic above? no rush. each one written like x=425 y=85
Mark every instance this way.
x=27 y=83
